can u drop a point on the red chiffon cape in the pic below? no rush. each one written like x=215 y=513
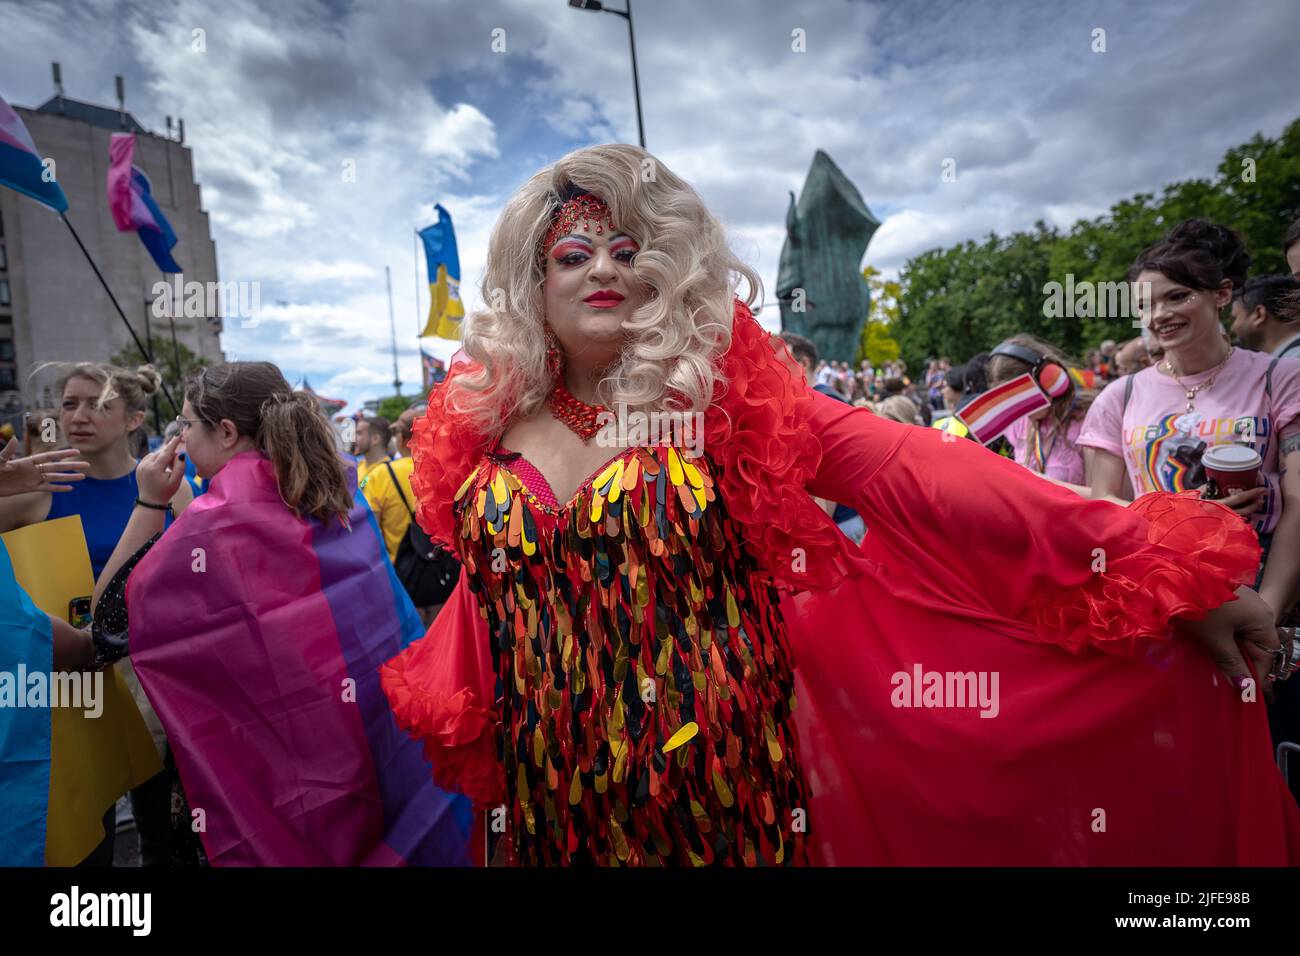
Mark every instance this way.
x=994 y=679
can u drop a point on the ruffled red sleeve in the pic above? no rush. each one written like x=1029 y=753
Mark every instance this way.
x=445 y=447
x=1198 y=553
x=758 y=435
x=958 y=529
x=441 y=692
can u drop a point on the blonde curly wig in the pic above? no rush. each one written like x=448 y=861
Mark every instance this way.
x=669 y=357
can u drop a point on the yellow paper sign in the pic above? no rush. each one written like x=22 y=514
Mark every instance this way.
x=93 y=760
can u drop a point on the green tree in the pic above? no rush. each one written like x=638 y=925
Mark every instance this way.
x=392 y=407
x=877 y=344
x=173 y=362
x=959 y=301
x=962 y=300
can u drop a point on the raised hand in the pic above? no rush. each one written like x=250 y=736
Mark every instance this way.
x=48 y=471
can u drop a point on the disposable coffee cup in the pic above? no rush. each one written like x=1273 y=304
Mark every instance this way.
x=1232 y=467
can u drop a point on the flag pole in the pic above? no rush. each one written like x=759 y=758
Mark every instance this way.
x=148 y=357
x=415 y=252
x=392 y=329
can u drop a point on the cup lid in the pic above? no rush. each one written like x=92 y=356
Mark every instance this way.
x=1231 y=458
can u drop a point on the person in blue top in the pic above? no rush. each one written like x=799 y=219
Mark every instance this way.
x=102 y=406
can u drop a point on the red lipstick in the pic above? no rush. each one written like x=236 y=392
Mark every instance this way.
x=604 y=299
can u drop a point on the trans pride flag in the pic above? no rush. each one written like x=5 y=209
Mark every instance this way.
x=20 y=163
x=130 y=200
x=258 y=637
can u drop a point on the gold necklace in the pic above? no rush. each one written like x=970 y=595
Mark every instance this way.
x=1204 y=386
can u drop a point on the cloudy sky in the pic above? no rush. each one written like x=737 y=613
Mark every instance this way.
x=1040 y=126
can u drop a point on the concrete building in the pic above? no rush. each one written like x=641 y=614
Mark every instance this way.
x=52 y=308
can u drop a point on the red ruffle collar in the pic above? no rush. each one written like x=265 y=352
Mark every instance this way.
x=756 y=433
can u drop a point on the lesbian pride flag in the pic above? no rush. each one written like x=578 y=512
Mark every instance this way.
x=258 y=637
x=993 y=412
x=130 y=200
x=20 y=163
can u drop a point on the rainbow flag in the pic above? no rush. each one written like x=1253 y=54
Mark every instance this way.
x=26 y=638
x=993 y=412
x=443 y=262
x=258 y=637
x=21 y=167
x=130 y=200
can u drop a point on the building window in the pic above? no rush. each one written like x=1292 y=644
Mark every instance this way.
x=4 y=292
x=6 y=350
x=8 y=382
x=4 y=259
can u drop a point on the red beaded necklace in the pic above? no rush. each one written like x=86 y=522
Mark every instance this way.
x=580 y=417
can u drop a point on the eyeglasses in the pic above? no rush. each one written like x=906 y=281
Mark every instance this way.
x=185 y=423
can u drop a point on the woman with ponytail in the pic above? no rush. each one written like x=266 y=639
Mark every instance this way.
x=257 y=623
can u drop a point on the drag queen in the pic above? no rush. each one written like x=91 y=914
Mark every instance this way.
x=615 y=680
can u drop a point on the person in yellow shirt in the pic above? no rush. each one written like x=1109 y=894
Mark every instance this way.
x=371 y=443
x=385 y=485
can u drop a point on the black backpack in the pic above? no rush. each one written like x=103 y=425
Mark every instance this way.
x=428 y=572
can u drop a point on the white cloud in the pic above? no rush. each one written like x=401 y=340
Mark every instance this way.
x=411 y=94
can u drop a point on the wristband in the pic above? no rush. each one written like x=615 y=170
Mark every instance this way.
x=144 y=504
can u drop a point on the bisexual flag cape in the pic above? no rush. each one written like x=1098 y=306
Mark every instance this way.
x=258 y=636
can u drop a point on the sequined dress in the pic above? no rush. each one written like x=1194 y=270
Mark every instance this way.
x=559 y=685
x=643 y=677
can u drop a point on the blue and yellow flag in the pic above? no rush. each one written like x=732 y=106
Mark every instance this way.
x=445 y=310
x=26 y=644
x=71 y=762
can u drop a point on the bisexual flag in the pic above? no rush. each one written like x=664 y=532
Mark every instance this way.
x=130 y=200
x=20 y=164
x=258 y=636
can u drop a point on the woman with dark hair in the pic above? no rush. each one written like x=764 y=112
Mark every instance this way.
x=1151 y=428
x=257 y=623
x=616 y=671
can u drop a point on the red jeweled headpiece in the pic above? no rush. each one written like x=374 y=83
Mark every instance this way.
x=587 y=208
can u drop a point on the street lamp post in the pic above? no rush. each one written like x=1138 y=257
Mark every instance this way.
x=631 y=39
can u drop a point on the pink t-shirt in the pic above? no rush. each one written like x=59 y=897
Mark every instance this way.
x=1064 y=457
x=1156 y=437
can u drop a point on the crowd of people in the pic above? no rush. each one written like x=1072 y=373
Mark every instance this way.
x=360 y=655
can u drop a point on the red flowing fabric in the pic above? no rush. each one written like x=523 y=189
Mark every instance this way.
x=1114 y=743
